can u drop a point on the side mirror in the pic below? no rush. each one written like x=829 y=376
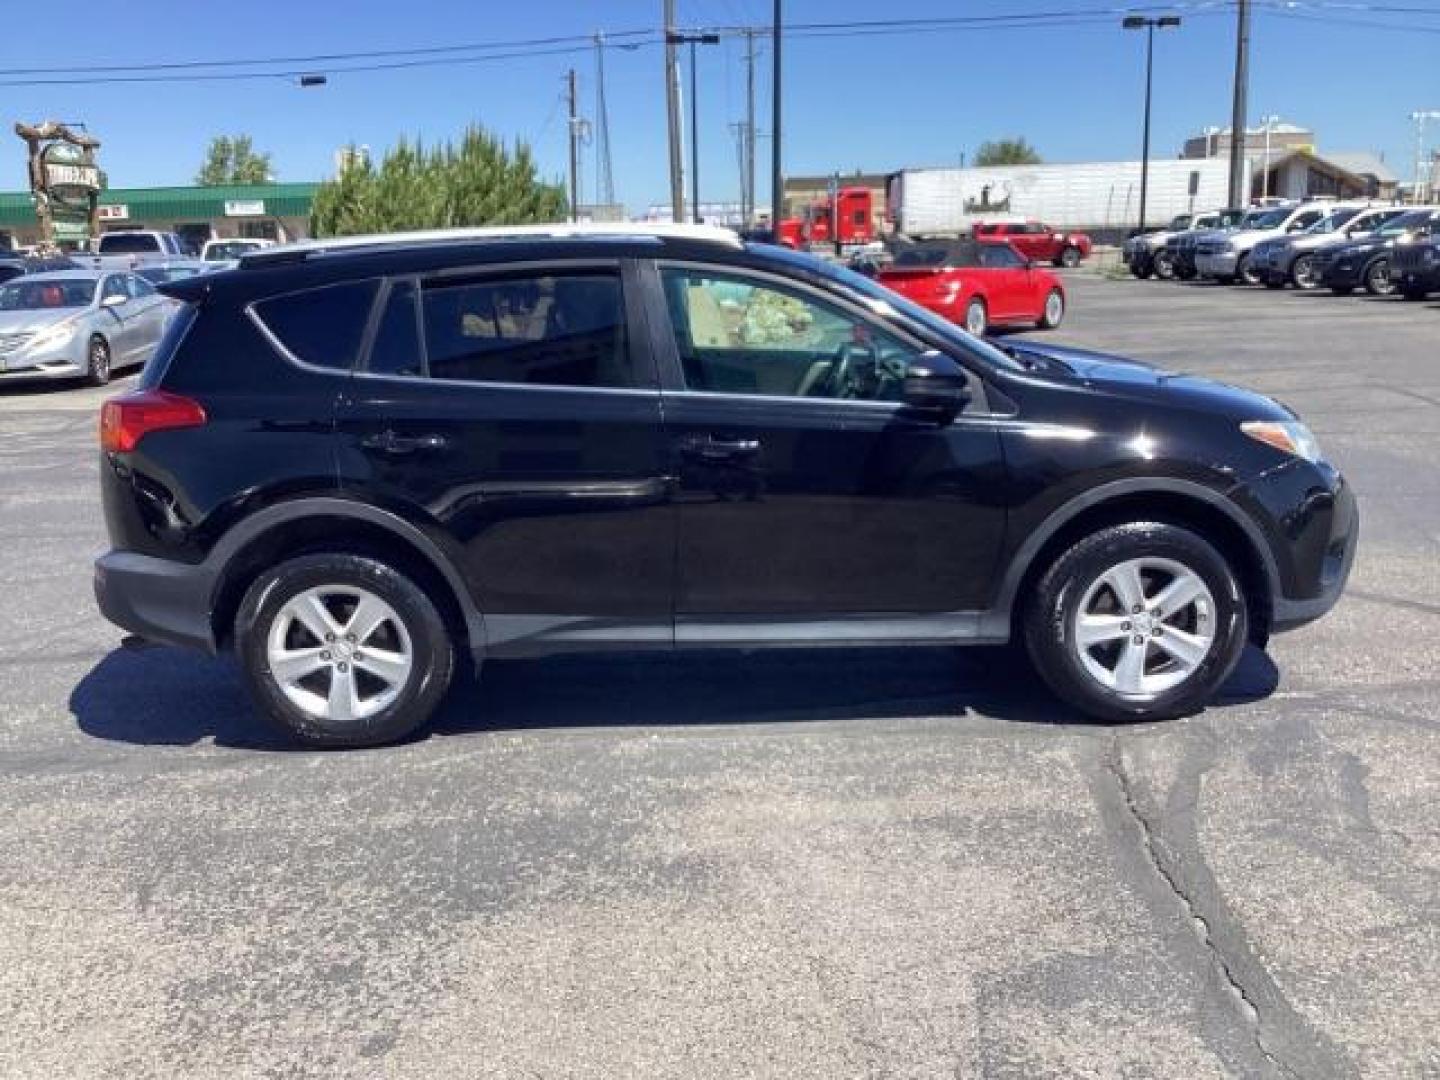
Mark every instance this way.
x=114 y=300
x=936 y=388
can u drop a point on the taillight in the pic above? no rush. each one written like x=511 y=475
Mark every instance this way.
x=128 y=418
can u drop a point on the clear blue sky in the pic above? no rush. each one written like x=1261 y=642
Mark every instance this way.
x=878 y=102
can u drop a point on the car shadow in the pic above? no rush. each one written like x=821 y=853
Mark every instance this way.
x=158 y=696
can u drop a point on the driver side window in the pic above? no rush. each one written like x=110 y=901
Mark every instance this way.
x=739 y=335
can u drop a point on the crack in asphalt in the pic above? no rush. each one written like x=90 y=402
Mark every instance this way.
x=1260 y=1003
x=1394 y=601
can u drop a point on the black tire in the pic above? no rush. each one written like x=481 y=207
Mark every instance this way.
x=97 y=362
x=1185 y=272
x=1342 y=290
x=1052 y=612
x=1049 y=321
x=1244 y=273
x=433 y=653
x=1377 y=278
x=977 y=317
x=1302 y=273
x=1141 y=270
x=1164 y=266
x=1414 y=294
x=1069 y=257
x=1271 y=283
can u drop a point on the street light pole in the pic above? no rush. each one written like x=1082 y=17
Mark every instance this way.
x=777 y=187
x=1268 y=124
x=1419 y=118
x=672 y=38
x=1140 y=22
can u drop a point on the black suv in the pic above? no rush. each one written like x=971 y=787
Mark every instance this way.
x=357 y=462
x=1415 y=267
x=1365 y=263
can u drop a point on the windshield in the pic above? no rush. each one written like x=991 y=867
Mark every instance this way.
x=41 y=295
x=1415 y=220
x=227 y=251
x=1336 y=219
x=160 y=275
x=1266 y=219
x=880 y=298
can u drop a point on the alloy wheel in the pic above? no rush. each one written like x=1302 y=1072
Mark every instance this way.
x=339 y=653
x=1144 y=626
x=1304 y=272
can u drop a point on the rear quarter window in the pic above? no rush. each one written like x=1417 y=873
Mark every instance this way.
x=322 y=327
x=159 y=363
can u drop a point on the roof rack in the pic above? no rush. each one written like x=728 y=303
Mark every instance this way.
x=655 y=231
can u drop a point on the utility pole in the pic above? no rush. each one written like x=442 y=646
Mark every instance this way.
x=1239 y=182
x=777 y=183
x=605 y=177
x=747 y=184
x=672 y=110
x=574 y=149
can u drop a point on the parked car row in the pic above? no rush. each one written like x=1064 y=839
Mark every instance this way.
x=1342 y=246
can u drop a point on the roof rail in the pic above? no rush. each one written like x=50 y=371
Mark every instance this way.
x=305 y=249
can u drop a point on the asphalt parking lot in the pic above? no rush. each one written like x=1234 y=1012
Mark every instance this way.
x=896 y=863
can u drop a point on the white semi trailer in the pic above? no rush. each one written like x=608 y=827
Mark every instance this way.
x=1098 y=196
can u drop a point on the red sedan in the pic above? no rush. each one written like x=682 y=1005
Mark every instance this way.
x=977 y=285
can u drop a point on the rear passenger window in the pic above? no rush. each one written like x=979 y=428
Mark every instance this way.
x=553 y=330
x=321 y=326
x=396 y=350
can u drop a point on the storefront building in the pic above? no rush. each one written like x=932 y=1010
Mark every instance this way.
x=268 y=211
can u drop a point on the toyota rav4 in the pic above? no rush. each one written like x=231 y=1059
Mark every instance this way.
x=356 y=462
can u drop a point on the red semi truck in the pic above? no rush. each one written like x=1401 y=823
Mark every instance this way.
x=846 y=218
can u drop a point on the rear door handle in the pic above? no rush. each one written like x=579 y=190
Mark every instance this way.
x=710 y=449
x=395 y=444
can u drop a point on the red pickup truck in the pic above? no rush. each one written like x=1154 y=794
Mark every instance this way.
x=1036 y=240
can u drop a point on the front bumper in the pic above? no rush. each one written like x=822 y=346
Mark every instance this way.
x=157 y=599
x=1218 y=265
x=1321 y=534
x=50 y=369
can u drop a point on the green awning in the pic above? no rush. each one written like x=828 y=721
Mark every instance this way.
x=238 y=201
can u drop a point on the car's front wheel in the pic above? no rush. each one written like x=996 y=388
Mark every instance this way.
x=343 y=650
x=97 y=362
x=1302 y=273
x=1377 y=278
x=1164 y=266
x=1069 y=257
x=1137 y=621
x=1245 y=271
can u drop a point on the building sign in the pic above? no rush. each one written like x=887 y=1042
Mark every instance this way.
x=245 y=208
x=65 y=182
x=113 y=212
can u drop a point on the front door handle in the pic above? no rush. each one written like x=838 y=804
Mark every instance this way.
x=396 y=445
x=707 y=448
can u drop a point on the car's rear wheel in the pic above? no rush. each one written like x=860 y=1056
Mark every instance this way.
x=1164 y=266
x=1302 y=273
x=1054 y=310
x=1377 y=278
x=342 y=650
x=977 y=318
x=1069 y=258
x=97 y=362
x=1137 y=621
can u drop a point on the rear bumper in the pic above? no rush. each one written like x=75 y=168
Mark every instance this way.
x=157 y=599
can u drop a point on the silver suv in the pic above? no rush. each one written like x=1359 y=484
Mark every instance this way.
x=1148 y=253
x=1227 y=256
x=1291 y=260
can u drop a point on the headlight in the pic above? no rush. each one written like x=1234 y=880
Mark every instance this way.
x=49 y=338
x=1287 y=436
